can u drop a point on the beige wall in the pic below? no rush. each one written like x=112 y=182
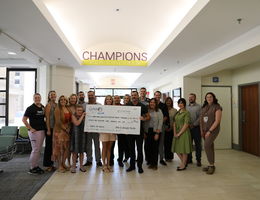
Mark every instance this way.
x=192 y=85
x=234 y=78
x=62 y=80
x=225 y=78
x=243 y=75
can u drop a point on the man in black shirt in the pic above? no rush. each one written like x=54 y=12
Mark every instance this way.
x=138 y=139
x=36 y=127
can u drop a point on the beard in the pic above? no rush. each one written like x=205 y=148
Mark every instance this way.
x=81 y=98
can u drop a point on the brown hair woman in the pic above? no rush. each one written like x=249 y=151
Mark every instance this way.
x=50 y=120
x=61 y=133
x=210 y=126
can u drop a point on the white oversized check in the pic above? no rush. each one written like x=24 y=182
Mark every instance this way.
x=113 y=119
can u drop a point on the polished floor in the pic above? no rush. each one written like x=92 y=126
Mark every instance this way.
x=237 y=177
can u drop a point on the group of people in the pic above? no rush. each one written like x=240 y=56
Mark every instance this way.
x=164 y=131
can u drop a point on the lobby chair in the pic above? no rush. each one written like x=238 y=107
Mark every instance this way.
x=23 y=139
x=9 y=130
x=7 y=147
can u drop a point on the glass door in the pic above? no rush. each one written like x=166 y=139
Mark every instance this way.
x=21 y=87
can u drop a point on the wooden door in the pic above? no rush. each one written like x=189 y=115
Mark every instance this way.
x=250 y=118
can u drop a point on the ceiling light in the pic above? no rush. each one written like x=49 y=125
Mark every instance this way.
x=11 y=53
x=239 y=20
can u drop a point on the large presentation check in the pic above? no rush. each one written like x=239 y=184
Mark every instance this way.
x=113 y=119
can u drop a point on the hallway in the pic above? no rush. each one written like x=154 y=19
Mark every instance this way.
x=237 y=177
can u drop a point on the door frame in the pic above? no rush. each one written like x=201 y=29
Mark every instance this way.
x=8 y=70
x=231 y=100
x=240 y=139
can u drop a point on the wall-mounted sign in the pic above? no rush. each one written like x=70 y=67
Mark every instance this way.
x=215 y=79
x=117 y=58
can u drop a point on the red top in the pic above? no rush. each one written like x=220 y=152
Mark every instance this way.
x=67 y=117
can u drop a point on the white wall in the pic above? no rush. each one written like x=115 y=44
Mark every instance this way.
x=43 y=82
x=84 y=87
x=177 y=82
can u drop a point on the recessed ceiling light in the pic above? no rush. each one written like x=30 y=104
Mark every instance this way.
x=11 y=53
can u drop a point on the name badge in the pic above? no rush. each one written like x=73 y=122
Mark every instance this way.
x=205 y=119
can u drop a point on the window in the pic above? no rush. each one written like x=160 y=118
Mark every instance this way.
x=176 y=95
x=21 y=87
x=101 y=93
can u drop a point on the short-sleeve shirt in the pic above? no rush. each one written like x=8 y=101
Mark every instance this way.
x=36 y=117
x=207 y=117
x=144 y=110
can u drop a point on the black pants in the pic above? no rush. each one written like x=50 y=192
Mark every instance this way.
x=168 y=144
x=138 y=140
x=152 y=148
x=47 y=162
x=196 y=137
x=122 y=147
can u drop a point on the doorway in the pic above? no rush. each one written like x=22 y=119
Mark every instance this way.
x=249 y=118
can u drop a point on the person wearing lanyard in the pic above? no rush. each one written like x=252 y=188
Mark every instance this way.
x=210 y=126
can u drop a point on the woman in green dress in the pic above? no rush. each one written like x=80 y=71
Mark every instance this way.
x=182 y=139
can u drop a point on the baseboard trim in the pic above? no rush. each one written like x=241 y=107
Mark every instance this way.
x=236 y=147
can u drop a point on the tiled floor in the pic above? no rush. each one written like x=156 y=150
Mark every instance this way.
x=237 y=177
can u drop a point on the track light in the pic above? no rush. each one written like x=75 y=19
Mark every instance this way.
x=23 y=48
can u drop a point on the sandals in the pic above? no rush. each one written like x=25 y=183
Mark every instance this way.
x=62 y=170
x=73 y=170
x=82 y=169
x=110 y=169
x=105 y=169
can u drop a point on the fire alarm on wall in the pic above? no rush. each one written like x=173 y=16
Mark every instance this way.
x=215 y=79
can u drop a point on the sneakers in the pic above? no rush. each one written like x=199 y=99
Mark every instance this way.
x=162 y=162
x=198 y=163
x=140 y=170
x=209 y=169
x=99 y=164
x=130 y=169
x=120 y=163
x=88 y=163
x=111 y=163
x=35 y=171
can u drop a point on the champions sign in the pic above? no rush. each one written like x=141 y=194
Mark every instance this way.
x=117 y=58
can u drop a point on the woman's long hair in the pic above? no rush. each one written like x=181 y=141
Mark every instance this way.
x=156 y=104
x=108 y=96
x=49 y=94
x=167 y=99
x=215 y=100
